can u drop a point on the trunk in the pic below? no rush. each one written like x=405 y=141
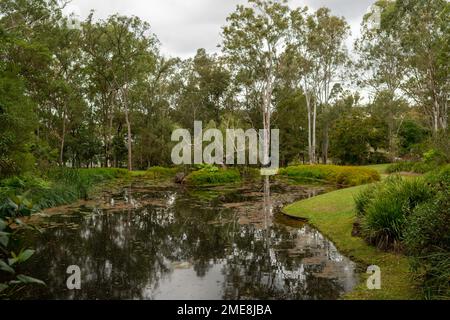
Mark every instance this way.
x=268 y=210
x=267 y=122
x=314 y=133
x=63 y=139
x=325 y=145
x=436 y=118
x=110 y=151
x=391 y=129
x=266 y=139
x=130 y=166
x=308 y=105
x=127 y=120
x=110 y=133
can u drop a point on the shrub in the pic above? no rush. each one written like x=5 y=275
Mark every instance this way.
x=385 y=212
x=400 y=167
x=431 y=159
x=416 y=167
x=339 y=175
x=212 y=177
x=440 y=177
x=58 y=186
x=416 y=214
x=427 y=239
x=162 y=172
x=436 y=157
x=364 y=198
x=10 y=213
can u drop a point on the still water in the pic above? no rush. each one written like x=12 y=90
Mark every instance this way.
x=176 y=243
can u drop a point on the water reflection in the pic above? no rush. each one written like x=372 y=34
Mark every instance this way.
x=169 y=244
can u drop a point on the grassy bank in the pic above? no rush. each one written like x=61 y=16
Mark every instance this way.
x=334 y=214
x=57 y=186
x=329 y=174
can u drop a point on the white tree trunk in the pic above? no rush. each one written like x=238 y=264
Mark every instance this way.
x=314 y=134
x=127 y=120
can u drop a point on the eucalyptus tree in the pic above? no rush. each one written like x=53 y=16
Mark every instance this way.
x=380 y=69
x=319 y=44
x=202 y=89
x=254 y=41
x=422 y=27
x=129 y=55
x=33 y=52
x=407 y=55
x=66 y=97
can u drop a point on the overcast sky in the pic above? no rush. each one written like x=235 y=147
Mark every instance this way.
x=183 y=26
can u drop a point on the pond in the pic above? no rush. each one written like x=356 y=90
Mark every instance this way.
x=150 y=242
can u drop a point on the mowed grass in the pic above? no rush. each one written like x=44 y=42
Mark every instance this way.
x=334 y=214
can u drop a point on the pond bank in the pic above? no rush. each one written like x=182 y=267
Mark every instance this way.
x=333 y=214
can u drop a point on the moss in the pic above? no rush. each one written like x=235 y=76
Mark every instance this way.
x=334 y=214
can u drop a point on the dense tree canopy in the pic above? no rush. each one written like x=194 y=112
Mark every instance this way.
x=104 y=95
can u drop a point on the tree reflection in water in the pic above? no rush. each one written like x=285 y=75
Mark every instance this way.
x=168 y=244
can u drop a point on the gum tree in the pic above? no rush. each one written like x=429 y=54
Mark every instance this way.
x=319 y=45
x=128 y=50
x=254 y=40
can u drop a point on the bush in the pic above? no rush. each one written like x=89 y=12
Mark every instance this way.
x=416 y=167
x=385 y=212
x=58 y=186
x=162 y=172
x=440 y=177
x=431 y=159
x=427 y=240
x=436 y=157
x=339 y=175
x=416 y=215
x=208 y=176
x=364 y=198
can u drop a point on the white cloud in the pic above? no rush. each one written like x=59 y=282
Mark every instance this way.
x=183 y=26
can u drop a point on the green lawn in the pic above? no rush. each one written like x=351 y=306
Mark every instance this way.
x=333 y=214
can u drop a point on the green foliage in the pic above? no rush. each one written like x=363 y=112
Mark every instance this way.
x=10 y=212
x=338 y=175
x=354 y=135
x=365 y=197
x=416 y=167
x=431 y=160
x=58 y=186
x=162 y=172
x=427 y=237
x=210 y=176
x=384 y=212
x=411 y=135
x=435 y=157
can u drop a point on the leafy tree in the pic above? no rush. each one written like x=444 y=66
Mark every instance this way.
x=320 y=50
x=254 y=41
x=350 y=138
